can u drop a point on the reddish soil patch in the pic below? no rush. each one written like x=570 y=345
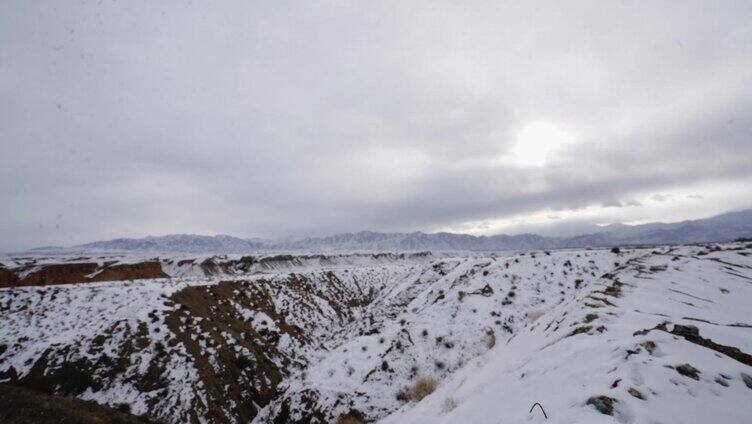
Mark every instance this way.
x=131 y=272
x=8 y=278
x=83 y=272
x=59 y=274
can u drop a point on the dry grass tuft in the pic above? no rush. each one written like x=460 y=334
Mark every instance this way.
x=422 y=387
x=489 y=339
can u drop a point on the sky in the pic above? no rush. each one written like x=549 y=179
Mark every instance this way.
x=283 y=119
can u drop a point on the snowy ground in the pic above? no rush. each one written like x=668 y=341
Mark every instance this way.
x=636 y=368
x=654 y=335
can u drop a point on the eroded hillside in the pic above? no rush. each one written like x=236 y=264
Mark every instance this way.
x=309 y=339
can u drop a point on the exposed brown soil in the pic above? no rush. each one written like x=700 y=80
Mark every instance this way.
x=238 y=360
x=243 y=381
x=252 y=366
x=81 y=272
x=8 y=278
x=137 y=271
x=19 y=405
x=59 y=274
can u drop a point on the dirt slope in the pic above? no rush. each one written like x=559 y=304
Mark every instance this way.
x=19 y=405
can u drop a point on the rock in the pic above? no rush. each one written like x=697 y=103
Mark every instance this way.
x=649 y=346
x=688 y=371
x=604 y=404
x=636 y=393
x=692 y=334
x=747 y=380
x=686 y=330
x=580 y=330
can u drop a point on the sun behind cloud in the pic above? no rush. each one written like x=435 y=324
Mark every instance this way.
x=536 y=142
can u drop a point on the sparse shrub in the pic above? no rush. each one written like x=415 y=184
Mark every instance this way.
x=616 y=250
x=449 y=404
x=490 y=338
x=421 y=388
x=349 y=419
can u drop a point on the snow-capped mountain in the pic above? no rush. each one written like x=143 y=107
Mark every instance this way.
x=176 y=243
x=374 y=241
x=726 y=227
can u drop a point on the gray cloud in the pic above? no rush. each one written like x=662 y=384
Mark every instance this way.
x=256 y=119
x=660 y=197
x=621 y=204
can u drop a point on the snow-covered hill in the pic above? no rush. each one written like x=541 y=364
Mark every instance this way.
x=657 y=335
x=664 y=338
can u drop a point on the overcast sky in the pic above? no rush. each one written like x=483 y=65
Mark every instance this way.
x=274 y=118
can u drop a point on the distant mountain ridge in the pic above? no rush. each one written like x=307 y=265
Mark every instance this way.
x=177 y=243
x=725 y=227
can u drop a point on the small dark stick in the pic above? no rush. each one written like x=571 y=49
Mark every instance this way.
x=541 y=408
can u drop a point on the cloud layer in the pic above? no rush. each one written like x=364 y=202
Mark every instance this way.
x=289 y=118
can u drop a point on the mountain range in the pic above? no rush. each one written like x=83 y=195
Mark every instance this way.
x=725 y=227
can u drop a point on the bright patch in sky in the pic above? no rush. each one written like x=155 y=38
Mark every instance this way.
x=536 y=142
